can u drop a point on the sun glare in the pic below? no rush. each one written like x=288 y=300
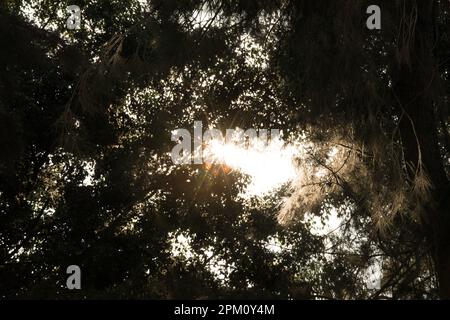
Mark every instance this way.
x=269 y=165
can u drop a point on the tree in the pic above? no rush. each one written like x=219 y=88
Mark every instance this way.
x=390 y=87
x=86 y=178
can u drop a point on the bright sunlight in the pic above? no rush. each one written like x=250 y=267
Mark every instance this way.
x=269 y=165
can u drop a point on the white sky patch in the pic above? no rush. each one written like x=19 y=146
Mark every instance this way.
x=89 y=168
x=181 y=248
x=322 y=226
x=255 y=54
x=332 y=224
x=30 y=12
x=220 y=268
x=269 y=165
x=374 y=274
x=181 y=245
x=274 y=245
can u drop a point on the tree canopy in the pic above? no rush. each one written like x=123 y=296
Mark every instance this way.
x=86 y=177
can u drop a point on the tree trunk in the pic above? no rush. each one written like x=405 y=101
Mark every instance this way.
x=417 y=71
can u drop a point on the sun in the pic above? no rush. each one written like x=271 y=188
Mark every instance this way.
x=269 y=165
